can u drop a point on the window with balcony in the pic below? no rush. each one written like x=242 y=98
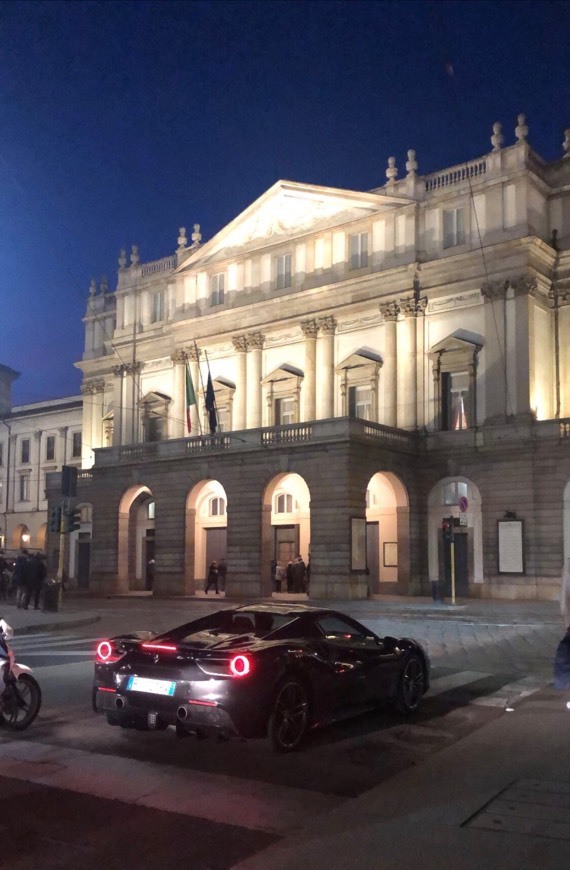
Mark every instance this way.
x=282 y=389
x=25 y=450
x=359 y=374
x=285 y=411
x=157 y=306
x=155 y=416
x=359 y=251
x=217 y=289
x=455 y=368
x=360 y=402
x=453 y=227
x=283 y=272
x=50 y=448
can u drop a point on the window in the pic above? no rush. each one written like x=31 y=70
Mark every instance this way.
x=76 y=445
x=360 y=402
x=217 y=289
x=456 y=401
x=284 y=411
x=150 y=510
x=50 y=447
x=359 y=251
x=453 y=227
x=284 y=503
x=453 y=491
x=217 y=506
x=157 y=307
x=224 y=424
x=154 y=429
x=155 y=416
x=24 y=487
x=283 y=272
x=25 y=454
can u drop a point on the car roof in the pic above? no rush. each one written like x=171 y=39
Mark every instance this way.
x=279 y=607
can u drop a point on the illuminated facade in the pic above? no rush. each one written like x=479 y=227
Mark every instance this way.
x=380 y=360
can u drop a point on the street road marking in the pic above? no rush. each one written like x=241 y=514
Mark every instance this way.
x=511 y=692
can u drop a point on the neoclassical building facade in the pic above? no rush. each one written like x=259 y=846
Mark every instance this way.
x=380 y=361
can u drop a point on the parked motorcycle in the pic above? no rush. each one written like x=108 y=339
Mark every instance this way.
x=20 y=694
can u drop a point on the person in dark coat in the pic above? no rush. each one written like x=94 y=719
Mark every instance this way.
x=19 y=579
x=298 y=575
x=212 y=580
x=34 y=575
x=289 y=573
x=222 y=573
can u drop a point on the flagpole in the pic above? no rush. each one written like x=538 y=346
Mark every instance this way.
x=202 y=383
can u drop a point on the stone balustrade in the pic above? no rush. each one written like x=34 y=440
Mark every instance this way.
x=455 y=175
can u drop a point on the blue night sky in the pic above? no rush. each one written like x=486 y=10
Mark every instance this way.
x=122 y=121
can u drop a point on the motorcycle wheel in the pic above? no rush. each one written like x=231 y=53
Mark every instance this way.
x=20 y=703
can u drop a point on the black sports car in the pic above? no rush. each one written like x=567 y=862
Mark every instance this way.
x=256 y=669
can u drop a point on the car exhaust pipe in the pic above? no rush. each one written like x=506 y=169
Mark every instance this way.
x=182 y=713
x=119 y=703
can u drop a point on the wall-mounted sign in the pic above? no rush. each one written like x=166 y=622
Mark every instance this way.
x=463 y=503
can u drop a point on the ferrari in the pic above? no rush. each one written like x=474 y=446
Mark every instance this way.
x=273 y=670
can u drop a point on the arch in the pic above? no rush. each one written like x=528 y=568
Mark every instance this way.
x=131 y=542
x=443 y=501
x=21 y=538
x=285 y=524
x=206 y=530
x=388 y=532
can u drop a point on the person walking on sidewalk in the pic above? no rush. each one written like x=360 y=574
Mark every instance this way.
x=35 y=573
x=213 y=575
x=19 y=579
x=222 y=573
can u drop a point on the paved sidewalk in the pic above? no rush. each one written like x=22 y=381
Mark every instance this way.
x=72 y=615
x=498 y=798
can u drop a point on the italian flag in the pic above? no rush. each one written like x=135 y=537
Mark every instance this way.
x=190 y=397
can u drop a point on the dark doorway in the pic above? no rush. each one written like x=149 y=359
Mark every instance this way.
x=149 y=559
x=461 y=565
x=216 y=547
x=372 y=555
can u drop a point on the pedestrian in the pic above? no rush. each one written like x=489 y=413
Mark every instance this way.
x=150 y=573
x=222 y=573
x=298 y=575
x=212 y=579
x=280 y=578
x=3 y=578
x=308 y=574
x=289 y=575
x=565 y=594
x=18 y=578
x=34 y=573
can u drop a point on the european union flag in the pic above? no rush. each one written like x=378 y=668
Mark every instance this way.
x=211 y=405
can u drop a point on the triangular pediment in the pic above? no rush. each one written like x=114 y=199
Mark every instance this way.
x=284 y=372
x=286 y=211
x=364 y=356
x=461 y=340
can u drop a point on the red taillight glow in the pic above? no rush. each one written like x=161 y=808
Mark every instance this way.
x=105 y=689
x=104 y=651
x=240 y=666
x=164 y=647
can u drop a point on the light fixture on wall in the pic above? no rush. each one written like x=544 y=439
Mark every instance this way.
x=25 y=538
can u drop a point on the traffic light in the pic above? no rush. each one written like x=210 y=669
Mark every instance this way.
x=447 y=528
x=73 y=517
x=55 y=519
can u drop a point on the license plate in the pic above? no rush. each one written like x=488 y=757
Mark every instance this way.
x=153 y=687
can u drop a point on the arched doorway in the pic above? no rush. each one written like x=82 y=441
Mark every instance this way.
x=286 y=526
x=21 y=537
x=136 y=540
x=387 y=533
x=206 y=531
x=457 y=498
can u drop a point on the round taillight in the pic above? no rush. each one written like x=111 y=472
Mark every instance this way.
x=240 y=666
x=104 y=651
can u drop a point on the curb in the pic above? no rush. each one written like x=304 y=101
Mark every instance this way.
x=55 y=626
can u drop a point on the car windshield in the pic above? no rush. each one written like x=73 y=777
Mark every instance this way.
x=260 y=623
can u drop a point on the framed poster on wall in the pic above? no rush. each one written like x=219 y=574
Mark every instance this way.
x=510 y=546
x=390 y=554
x=357 y=544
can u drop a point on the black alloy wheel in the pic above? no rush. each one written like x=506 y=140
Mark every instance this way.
x=411 y=685
x=20 y=703
x=289 y=719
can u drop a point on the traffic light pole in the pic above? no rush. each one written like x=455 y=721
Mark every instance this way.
x=452 y=557
x=62 y=547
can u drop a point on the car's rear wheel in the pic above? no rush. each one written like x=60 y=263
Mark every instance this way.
x=289 y=720
x=411 y=685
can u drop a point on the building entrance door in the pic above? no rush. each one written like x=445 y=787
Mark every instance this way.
x=461 y=565
x=216 y=547
x=83 y=563
x=286 y=544
x=372 y=555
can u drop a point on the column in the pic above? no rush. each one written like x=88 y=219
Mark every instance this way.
x=98 y=411
x=494 y=374
x=402 y=370
x=325 y=366
x=194 y=354
x=117 y=405
x=87 y=425
x=254 y=365
x=310 y=331
x=390 y=312
x=240 y=401
x=177 y=422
